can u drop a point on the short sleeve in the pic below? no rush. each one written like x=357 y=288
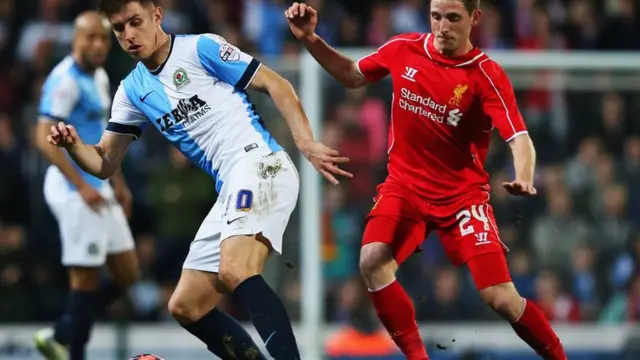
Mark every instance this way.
x=126 y=119
x=59 y=97
x=499 y=101
x=377 y=65
x=225 y=61
x=373 y=67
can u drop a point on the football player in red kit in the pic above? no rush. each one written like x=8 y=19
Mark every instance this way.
x=447 y=98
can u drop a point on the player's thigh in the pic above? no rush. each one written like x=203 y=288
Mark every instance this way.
x=195 y=295
x=470 y=232
x=84 y=234
x=204 y=251
x=241 y=257
x=395 y=222
x=488 y=270
x=123 y=267
x=122 y=259
x=260 y=197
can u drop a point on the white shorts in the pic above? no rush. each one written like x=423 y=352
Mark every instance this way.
x=87 y=237
x=258 y=197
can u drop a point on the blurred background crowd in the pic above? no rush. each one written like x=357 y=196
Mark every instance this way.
x=574 y=248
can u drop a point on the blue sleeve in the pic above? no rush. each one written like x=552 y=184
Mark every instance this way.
x=225 y=61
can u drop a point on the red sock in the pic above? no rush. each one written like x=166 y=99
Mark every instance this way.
x=397 y=314
x=535 y=330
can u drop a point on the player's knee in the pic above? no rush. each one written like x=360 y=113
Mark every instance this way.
x=184 y=309
x=241 y=258
x=377 y=263
x=233 y=273
x=504 y=300
x=126 y=279
x=84 y=279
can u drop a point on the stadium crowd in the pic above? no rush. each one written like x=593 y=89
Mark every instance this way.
x=574 y=248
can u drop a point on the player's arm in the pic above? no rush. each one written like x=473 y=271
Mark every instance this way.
x=59 y=98
x=239 y=69
x=499 y=103
x=302 y=20
x=103 y=160
x=524 y=158
x=284 y=97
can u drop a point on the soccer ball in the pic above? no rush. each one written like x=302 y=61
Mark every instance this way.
x=146 y=357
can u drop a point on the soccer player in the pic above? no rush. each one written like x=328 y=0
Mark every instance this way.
x=447 y=98
x=89 y=211
x=192 y=88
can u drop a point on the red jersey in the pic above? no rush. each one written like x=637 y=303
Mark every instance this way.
x=442 y=114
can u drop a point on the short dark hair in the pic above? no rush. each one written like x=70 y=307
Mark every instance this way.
x=471 y=5
x=110 y=7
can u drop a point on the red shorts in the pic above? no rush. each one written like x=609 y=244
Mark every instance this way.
x=466 y=229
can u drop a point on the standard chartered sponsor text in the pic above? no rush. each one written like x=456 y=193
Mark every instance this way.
x=424 y=106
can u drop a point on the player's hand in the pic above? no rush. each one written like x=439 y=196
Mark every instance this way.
x=124 y=198
x=326 y=161
x=92 y=197
x=302 y=19
x=520 y=188
x=63 y=135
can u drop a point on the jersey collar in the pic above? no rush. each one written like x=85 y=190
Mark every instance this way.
x=467 y=59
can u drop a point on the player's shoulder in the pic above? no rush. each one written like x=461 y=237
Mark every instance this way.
x=198 y=40
x=490 y=70
x=404 y=39
x=64 y=74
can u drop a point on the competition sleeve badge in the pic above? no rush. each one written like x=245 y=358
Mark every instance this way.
x=180 y=78
x=228 y=53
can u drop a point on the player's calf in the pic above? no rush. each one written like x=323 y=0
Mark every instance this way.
x=193 y=306
x=74 y=326
x=124 y=271
x=392 y=303
x=242 y=259
x=491 y=276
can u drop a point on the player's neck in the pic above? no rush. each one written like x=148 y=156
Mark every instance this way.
x=159 y=56
x=81 y=65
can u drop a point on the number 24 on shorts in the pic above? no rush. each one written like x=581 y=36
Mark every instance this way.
x=477 y=212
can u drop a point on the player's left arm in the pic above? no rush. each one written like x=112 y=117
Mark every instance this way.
x=499 y=103
x=239 y=69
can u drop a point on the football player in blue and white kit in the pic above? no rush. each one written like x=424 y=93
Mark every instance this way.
x=90 y=213
x=192 y=88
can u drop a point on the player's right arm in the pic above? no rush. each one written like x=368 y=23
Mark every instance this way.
x=104 y=159
x=302 y=20
x=59 y=98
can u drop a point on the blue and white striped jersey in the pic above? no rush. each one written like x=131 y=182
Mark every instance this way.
x=197 y=100
x=80 y=99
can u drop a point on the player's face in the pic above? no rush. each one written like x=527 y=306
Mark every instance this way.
x=451 y=24
x=94 y=43
x=137 y=27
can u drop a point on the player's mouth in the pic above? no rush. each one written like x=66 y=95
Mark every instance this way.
x=134 y=49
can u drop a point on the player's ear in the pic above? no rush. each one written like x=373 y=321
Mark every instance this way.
x=475 y=17
x=157 y=15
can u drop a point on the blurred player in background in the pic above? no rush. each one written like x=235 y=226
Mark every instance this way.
x=192 y=88
x=91 y=214
x=448 y=96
